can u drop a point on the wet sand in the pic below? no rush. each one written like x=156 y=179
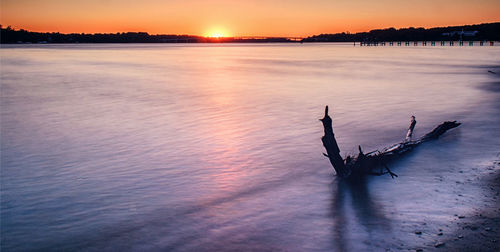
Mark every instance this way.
x=474 y=232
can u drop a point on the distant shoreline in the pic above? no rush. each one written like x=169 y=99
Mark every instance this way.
x=478 y=32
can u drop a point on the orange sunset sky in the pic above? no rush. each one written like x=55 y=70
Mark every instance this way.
x=239 y=17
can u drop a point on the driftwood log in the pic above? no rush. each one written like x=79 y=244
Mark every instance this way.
x=374 y=162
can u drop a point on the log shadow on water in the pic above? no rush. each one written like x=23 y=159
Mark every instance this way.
x=363 y=208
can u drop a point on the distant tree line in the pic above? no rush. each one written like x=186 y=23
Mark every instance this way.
x=485 y=32
x=10 y=36
x=480 y=32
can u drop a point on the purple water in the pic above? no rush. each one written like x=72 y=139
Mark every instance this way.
x=217 y=147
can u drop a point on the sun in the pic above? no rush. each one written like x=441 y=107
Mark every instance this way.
x=217 y=33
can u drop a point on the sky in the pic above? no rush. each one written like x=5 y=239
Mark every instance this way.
x=288 y=18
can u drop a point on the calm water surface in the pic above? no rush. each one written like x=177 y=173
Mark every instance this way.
x=217 y=147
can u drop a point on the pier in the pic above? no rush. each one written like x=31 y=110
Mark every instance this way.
x=426 y=43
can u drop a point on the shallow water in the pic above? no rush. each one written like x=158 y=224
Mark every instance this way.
x=217 y=147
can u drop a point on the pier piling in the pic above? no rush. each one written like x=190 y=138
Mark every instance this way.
x=423 y=43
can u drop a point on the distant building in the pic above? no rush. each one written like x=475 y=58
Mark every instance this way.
x=460 y=33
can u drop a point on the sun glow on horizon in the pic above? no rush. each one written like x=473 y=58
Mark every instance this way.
x=217 y=33
x=219 y=19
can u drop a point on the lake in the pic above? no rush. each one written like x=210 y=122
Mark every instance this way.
x=217 y=147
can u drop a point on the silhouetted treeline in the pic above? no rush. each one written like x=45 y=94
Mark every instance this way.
x=486 y=32
x=9 y=36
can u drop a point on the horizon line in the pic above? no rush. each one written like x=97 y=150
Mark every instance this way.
x=247 y=36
